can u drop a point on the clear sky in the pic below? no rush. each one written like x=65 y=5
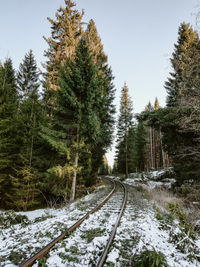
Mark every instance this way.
x=138 y=37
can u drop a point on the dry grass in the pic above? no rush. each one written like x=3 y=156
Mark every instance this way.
x=162 y=197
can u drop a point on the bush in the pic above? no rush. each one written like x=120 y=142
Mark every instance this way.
x=150 y=258
x=9 y=218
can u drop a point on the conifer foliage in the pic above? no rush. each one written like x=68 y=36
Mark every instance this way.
x=125 y=122
x=181 y=60
x=66 y=31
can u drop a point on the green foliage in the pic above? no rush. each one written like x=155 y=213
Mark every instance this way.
x=125 y=123
x=42 y=262
x=165 y=219
x=140 y=146
x=45 y=140
x=92 y=233
x=181 y=59
x=28 y=76
x=183 y=235
x=15 y=257
x=150 y=258
x=9 y=218
x=9 y=130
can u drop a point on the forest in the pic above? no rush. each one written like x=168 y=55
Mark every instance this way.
x=56 y=125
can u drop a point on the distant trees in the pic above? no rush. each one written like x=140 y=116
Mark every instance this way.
x=125 y=122
x=144 y=145
x=178 y=123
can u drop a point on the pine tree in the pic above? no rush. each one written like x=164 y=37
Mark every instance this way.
x=78 y=102
x=125 y=122
x=107 y=91
x=140 y=146
x=188 y=122
x=28 y=76
x=30 y=115
x=187 y=39
x=10 y=140
x=95 y=46
x=132 y=150
x=156 y=104
x=66 y=31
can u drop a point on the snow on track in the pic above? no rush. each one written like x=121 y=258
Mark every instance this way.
x=140 y=229
x=85 y=245
x=18 y=242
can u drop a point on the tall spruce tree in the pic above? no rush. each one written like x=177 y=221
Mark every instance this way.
x=28 y=76
x=187 y=39
x=30 y=117
x=140 y=146
x=9 y=136
x=132 y=150
x=95 y=46
x=78 y=102
x=125 y=122
x=107 y=92
x=66 y=31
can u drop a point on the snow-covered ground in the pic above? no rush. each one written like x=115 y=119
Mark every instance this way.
x=151 y=180
x=139 y=230
x=85 y=246
x=20 y=241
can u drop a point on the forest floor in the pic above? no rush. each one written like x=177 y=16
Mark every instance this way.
x=150 y=227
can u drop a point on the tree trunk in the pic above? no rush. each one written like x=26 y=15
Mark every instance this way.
x=73 y=188
x=163 y=153
x=126 y=155
x=151 y=146
x=32 y=137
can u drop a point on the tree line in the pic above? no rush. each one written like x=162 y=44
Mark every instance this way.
x=55 y=127
x=169 y=136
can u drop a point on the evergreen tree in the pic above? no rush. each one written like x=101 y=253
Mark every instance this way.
x=78 y=102
x=10 y=139
x=156 y=104
x=187 y=39
x=140 y=146
x=132 y=150
x=30 y=116
x=107 y=91
x=66 y=31
x=28 y=76
x=95 y=46
x=125 y=122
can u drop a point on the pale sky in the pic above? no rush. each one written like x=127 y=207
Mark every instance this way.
x=138 y=37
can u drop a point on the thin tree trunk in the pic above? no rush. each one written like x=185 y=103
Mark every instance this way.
x=126 y=156
x=32 y=137
x=32 y=141
x=73 y=188
x=151 y=147
x=163 y=153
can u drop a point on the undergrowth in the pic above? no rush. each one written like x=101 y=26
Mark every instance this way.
x=181 y=232
x=149 y=258
x=9 y=218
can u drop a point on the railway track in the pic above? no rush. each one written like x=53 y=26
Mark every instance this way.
x=114 y=202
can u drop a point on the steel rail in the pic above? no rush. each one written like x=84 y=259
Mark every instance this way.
x=110 y=240
x=41 y=253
